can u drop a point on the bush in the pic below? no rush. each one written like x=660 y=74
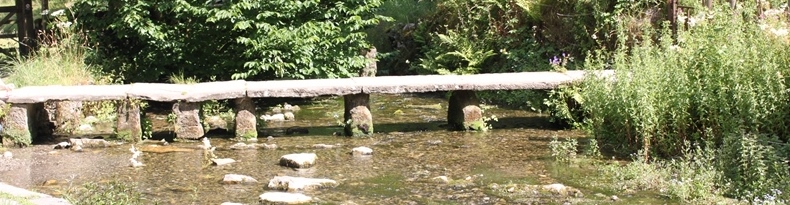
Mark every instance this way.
x=249 y=39
x=722 y=85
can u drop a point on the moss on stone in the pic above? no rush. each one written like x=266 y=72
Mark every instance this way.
x=17 y=137
x=247 y=135
x=478 y=125
x=128 y=135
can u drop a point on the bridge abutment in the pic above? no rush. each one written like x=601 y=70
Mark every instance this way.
x=464 y=111
x=358 y=120
x=188 y=124
x=246 y=122
x=128 y=122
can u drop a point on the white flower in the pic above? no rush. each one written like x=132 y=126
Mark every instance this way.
x=58 y=12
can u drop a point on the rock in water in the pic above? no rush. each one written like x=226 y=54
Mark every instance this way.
x=222 y=161
x=300 y=160
x=241 y=145
x=359 y=151
x=285 y=198
x=287 y=183
x=238 y=179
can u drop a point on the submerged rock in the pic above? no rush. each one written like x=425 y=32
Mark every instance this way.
x=267 y=146
x=359 y=151
x=238 y=179
x=222 y=161
x=285 y=198
x=300 y=160
x=241 y=145
x=288 y=183
x=275 y=117
x=442 y=179
x=95 y=143
x=324 y=146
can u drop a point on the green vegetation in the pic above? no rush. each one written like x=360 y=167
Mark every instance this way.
x=109 y=193
x=144 y=41
x=706 y=114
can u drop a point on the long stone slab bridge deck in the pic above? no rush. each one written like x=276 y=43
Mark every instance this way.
x=26 y=102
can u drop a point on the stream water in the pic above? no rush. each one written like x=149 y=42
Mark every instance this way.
x=411 y=148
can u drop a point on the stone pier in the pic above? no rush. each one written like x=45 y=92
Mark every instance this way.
x=464 y=113
x=358 y=120
x=16 y=129
x=188 y=124
x=128 y=124
x=68 y=115
x=246 y=127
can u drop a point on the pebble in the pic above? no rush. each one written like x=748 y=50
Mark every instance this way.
x=615 y=198
x=8 y=155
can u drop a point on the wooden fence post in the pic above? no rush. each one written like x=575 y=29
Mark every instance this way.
x=25 y=30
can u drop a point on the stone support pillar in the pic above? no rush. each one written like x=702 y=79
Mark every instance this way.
x=188 y=124
x=464 y=111
x=17 y=125
x=128 y=124
x=358 y=120
x=68 y=115
x=246 y=127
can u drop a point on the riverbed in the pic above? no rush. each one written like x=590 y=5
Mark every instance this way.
x=412 y=151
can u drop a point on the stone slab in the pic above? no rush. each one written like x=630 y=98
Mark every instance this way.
x=518 y=81
x=30 y=197
x=408 y=84
x=36 y=94
x=302 y=88
x=188 y=92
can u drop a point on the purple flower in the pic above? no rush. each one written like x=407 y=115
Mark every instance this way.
x=554 y=61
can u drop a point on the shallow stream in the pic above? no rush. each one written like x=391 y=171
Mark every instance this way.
x=411 y=148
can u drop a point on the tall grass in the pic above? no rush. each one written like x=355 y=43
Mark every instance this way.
x=723 y=85
x=59 y=63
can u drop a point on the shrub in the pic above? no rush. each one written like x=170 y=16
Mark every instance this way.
x=722 y=85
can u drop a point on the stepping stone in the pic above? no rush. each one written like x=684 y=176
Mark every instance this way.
x=358 y=151
x=285 y=198
x=238 y=179
x=300 y=160
x=288 y=183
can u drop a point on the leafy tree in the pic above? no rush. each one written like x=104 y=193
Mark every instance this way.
x=147 y=40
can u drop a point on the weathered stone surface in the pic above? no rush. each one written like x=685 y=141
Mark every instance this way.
x=128 y=125
x=284 y=198
x=238 y=179
x=370 y=68
x=287 y=183
x=358 y=119
x=67 y=116
x=359 y=151
x=412 y=84
x=37 y=94
x=188 y=92
x=188 y=124
x=17 y=130
x=231 y=203
x=222 y=161
x=32 y=197
x=463 y=111
x=302 y=88
x=246 y=127
x=300 y=160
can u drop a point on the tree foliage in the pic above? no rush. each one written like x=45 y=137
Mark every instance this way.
x=147 y=40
